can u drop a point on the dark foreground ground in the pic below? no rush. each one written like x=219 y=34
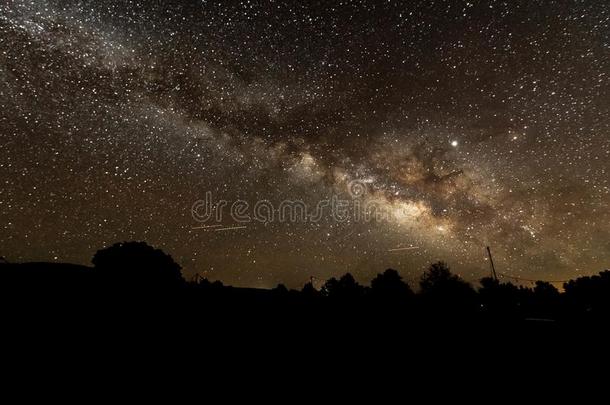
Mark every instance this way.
x=73 y=305
x=80 y=337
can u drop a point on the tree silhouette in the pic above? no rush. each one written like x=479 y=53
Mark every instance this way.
x=546 y=290
x=445 y=291
x=136 y=264
x=346 y=288
x=545 y=300
x=439 y=278
x=205 y=284
x=589 y=295
x=390 y=286
x=501 y=299
x=309 y=291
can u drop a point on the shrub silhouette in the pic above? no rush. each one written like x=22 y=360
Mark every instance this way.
x=136 y=264
x=281 y=291
x=309 y=291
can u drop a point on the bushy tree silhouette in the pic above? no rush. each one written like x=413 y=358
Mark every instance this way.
x=589 y=295
x=546 y=290
x=444 y=291
x=390 y=286
x=136 y=264
x=438 y=278
x=346 y=288
x=501 y=299
x=545 y=300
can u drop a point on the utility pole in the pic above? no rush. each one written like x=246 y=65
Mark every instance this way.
x=493 y=268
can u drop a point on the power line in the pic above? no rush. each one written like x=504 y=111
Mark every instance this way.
x=531 y=280
x=495 y=273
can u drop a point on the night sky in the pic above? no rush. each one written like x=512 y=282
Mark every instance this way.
x=472 y=123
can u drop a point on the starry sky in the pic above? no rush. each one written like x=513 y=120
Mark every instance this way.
x=472 y=123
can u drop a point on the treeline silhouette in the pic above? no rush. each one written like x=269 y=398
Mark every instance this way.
x=134 y=274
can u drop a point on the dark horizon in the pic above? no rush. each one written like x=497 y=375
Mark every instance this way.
x=316 y=283
x=134 y=276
